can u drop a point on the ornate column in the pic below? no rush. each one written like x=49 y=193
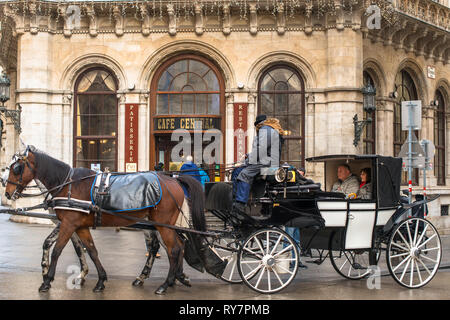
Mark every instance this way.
x=229 y=129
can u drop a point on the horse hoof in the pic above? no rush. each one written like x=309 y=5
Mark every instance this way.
x=44 y=287
x=138 y=283
x=160 y=291
x=99 y=288
x=185 y=280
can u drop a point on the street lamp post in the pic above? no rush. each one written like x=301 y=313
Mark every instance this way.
x=5 y=85
x=369 y=93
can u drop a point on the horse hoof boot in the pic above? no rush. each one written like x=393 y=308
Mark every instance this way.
x=44 y=287
x=99 y=288
x=161 y=290
x=184 y=280
x=138 y=283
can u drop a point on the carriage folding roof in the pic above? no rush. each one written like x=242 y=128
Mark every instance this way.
x=342 y=157
x=387 y=172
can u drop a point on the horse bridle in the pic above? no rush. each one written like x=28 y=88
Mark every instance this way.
x=18 y=169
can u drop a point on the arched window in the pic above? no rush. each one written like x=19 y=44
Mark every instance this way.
x=95 y=120
x=281 y=95
x=369 y=130
x=188 y=87
x=439 y=138
x=406 y=90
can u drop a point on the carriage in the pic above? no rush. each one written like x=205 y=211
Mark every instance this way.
x=352 y=233
x=253 y=247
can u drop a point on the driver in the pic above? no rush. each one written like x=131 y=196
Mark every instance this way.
x=266 y=152
x=347 y=183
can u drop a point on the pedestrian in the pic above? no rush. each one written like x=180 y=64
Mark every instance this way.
x=203 y=177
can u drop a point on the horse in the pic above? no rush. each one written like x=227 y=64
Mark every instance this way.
x=61 y=179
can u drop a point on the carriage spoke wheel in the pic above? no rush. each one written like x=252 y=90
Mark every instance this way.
x=268 y=260
x=414 y=252
x=353 y=264
x=231 y=273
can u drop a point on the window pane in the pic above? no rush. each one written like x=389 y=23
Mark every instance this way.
x=295 y=146
x=177 y=68
x=196 y=82
x=214 y=104
x=281 y=74
x=83 y=125
x=267 y=104
x=267 y=83
x=162 y=106
x=281 y=104
x=164 y=81
x=198 y=67
x=295 y=103
x=188 y=103
x=212 y=81
x=102 y=125
x=295 y=125
x=201 y=103
x=82 y=104
x=96 y=151
x=179 y=82
x=110 y=104
x=175 y=103
x=294 y=83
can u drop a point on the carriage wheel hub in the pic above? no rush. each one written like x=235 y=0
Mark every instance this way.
x=415 y=252
x=268 y=261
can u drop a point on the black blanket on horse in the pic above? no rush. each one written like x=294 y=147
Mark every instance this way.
x=126 y=192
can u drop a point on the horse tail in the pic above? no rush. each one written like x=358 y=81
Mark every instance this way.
x=196 y=199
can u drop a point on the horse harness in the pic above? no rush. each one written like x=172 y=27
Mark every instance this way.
x=70 y=203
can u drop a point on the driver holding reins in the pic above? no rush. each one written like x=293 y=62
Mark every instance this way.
x=266 y=153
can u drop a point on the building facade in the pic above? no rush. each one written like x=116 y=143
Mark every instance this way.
x=107 y=83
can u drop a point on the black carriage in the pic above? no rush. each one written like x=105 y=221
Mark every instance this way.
x=351 y=232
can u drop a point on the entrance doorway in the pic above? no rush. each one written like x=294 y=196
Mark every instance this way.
x=163 y=154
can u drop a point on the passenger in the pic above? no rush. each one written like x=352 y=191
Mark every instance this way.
x=347 y=183
x=365 y=188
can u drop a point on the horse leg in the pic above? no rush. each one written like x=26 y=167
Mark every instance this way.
x=174 y=251
x=88 y=242
x=65 y=232
x=79 y=249
x=152 y=244
x=49 y=241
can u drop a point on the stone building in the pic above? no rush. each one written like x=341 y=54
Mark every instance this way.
x=105 y=83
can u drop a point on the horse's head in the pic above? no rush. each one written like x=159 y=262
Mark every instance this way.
x=19 y=173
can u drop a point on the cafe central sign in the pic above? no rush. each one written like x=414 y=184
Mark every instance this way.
x=187 y=123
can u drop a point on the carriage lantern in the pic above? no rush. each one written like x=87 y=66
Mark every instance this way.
x=5 y=85
x=369 y=93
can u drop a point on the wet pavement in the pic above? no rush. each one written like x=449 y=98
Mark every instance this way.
x=123 y=255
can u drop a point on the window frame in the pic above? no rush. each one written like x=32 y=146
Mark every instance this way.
x=96 y=138
x=440 y=117
x=260 y=92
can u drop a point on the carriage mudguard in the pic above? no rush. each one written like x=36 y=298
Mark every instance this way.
x=126 y=192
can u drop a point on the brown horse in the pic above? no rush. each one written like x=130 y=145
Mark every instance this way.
x=34 y=164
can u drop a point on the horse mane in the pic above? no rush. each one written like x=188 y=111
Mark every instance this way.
x=49 y=169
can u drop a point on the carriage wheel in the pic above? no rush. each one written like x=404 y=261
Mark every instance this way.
x=414 y=252
x=353 y=264
x=231 y=273
x=268 y=260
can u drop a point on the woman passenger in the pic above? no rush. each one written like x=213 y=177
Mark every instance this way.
x=365 y=188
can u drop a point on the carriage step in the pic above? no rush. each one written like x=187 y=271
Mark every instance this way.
x=317 y=261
